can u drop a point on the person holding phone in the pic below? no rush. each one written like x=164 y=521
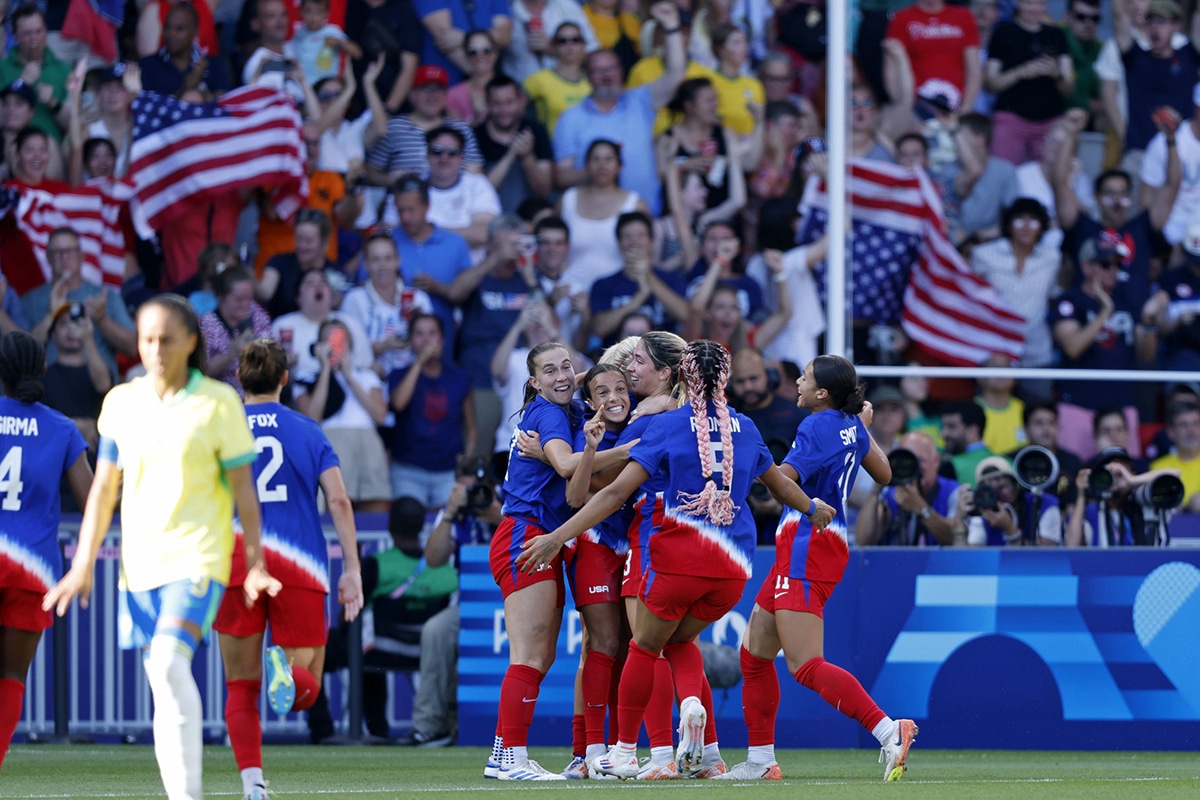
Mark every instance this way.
x=236 y=321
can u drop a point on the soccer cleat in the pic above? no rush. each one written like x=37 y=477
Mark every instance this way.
x=692 y=718
x=658 y=772
x=491 y=770
x=528 y=770
x=749 y=771
x=894 y=754
x=614 y=763
x=259 y=792
x=576 y=770
x=281 y=688
x=713 y=770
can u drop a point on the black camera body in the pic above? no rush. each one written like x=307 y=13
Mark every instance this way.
x=906 y=467
x=481 y=495
x=1100 y=483
x=987 y=498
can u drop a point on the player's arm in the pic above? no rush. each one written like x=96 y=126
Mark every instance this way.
x=789 y=493
x=97 y=518
x=350 y=591
x=241 y=481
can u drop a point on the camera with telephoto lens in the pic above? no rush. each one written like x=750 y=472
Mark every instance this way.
x=480 y=496
x=987 y=498
x=906 y=467
x=1163 y=493
x=1099 y=484
x=1035 y=468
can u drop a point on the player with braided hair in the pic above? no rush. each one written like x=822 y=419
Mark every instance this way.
x=830 y=445
x=38 y=446
x=698 y=564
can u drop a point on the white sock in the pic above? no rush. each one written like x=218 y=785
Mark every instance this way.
x=761 y=754
x=519 y=755
x=178 y=713
x=885 y=730
x=594 y=751
x=497 y=747
x=251 y=777
x=626 y=749
x=712 y=753
x=661 y=755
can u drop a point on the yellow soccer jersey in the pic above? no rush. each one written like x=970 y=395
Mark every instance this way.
x=733 y=95
x=650 y=69
x=552 y=95
x=177 y=508
x=1005 y=427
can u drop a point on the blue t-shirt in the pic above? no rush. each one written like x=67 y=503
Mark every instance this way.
x=442 y=257
x=1113 y=349
x=292 y=454
x=691 y=545
x=617 y=290
x=1182 y=286
x=37 y=447
x=945 y=502
x=613 y=532
x=1158 y=82
x=480 y=18
x=489 y=312
x=1029 y=527
x=429 y=430
x=648 y=495
x=533 y=489
x=749 y=293
x=826 y=454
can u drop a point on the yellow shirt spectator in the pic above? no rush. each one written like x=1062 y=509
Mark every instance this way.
x=1189 y=472
x=608 y=29
x=177 y=507
x=1005 y=429
x=650 y=69
x=733 y=98
x=552 y=95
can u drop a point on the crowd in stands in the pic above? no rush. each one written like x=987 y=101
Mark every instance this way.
x=487 y=176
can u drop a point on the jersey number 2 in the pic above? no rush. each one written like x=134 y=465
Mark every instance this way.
x=10 y=480
x=267 y=494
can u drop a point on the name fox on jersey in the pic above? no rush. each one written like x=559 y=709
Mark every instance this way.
x=262 y=421
x=18 y=426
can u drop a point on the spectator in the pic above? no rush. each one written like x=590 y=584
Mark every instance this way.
x=1029 y=70
x=888 y=424
x=1023 y=266
x=652 y=65
x=297 y=332
x=1005 y=427
x=1183 y=428
x=717 y=313
x=591 y=211
x=1182 y=141
x=1173 y=308
x=32 y=62
x=942 y=43
x=1110 y=428
x=19 y=101
x=976 y=186
x=178 y=67
x=278 y=288
x=720 y=258
x=344 y=144
x=569 y=302
x=752 y=392
x=914 y=388
x=447 y=23
x=319 y=45
x=385 y=306
x=778 y=77
x=1035 y=179
x=964 y=425
x=676 y=234
x=151 y=31
x=115 y=122
x=460 y=202
x=784 y=128
x=619 y=116
x=535 y=22
x=12 y=318
x=1010 y=521
x=28 y=170
x=234 y=323
x=273 y=63
x=517 y=156
x=740 y=96
x=1040 y=419
x=1112 y=517
x=78 y=379
x=616 y=29
x=348 y=403
x=927 y=511
x=704 y=146
x=986 y=13
x=870 y=137
x=435 y=418
x=113 y=330
x=639 y=286
x=1082 y=23
x=555 y=89
x=467 y=101
x=430 y=258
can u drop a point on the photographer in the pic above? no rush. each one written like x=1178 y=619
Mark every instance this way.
x=1116 y=508
x=921 y=508
x=1003 y=511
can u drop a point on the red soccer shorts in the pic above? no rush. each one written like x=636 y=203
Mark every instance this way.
x=297 y=616
x=595 y=574
x=22 y=610
x=631 y=576
x=506 y=547
x=673 y=597
x=793 y=594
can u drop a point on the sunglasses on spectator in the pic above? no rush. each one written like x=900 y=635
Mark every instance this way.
x=453 y=152
x=1026 y=222
x=325 y=97
x=569 y=40
x=480 y=51
x=1085 y=17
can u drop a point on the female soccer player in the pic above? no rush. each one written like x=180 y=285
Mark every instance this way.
x=181 y=443
x=38 y=447
x=699 y=557
x=294 y=460
x=809 y=561
x=535 y=501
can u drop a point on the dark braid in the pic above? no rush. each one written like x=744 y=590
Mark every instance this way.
x=22 y=365
x=837 y=376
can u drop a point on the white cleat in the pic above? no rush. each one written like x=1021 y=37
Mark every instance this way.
x=749 y=771
x=528 y=771
x=577 y=770
x=692 y=719
x=667 y=771
x=894 y=754
x=614 y=763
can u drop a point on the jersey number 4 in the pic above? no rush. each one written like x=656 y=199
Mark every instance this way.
x=267 y=493
x=10 y=480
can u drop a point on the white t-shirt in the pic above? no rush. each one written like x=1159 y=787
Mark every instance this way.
x=512 y=395
x=1031 y=182
x=1154 y=174
x=455 y=207
x=275 y=80
x=797 y=342
x=297 y=333
x=383 y=320
x=352 y=415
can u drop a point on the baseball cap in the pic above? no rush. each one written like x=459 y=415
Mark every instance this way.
x=114 y=73
x=885 y=394
x=430 y=74
x=1167 y=9
x=1103 y=248
x=72 y=307
x=941 y=94
x=992 y=466
x=1110 y=454
x=21 y=89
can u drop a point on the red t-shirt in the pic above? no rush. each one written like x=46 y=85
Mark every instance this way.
x=935 y=42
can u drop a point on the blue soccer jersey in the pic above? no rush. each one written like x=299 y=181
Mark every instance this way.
x=683 y=544
x=292 y=454
x=613 y=532
x=37 y=447
x=533 y=489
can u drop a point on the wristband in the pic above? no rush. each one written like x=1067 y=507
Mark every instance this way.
x=669 y=31
x=811 y=507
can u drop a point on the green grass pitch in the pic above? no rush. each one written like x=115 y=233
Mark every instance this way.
x=384 y=773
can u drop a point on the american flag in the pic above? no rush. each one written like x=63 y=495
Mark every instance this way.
x=203 y=151
x=904 y=269
x=89 y=210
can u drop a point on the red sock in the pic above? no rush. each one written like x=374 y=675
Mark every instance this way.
x=242 y=722
x=841 y=690
x=307 y=689
x=12 y=694
x=597 y=678
x=499 y=722
x=518 y=696
x=578 y=735
x=637 y=685
x=658 y=719
x=760 y=697
x=614 y=689
x=687 y=666
x=710 y=724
